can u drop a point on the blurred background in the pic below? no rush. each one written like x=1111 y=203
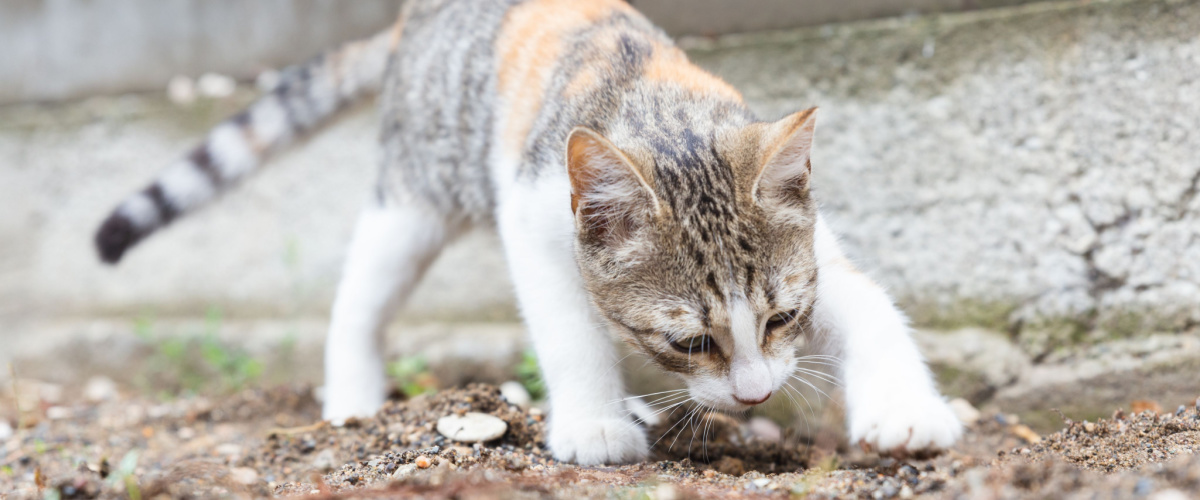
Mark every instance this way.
x=1022 y=175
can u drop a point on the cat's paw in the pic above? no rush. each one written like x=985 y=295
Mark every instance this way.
x=348 y=403
x=905 y=423
x=597 y=441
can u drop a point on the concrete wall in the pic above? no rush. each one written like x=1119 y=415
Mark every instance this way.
x=58 y=49
x=1032 y=169
x=61 y=49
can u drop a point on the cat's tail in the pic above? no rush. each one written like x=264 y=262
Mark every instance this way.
x=307 y=96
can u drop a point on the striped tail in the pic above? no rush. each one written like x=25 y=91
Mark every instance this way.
x=307 y=96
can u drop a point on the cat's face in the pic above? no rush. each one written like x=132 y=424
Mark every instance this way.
x=702 y=260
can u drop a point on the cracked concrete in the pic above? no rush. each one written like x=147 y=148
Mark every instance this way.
x=1031 y=168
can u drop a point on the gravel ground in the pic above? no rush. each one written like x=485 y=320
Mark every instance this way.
x=265 y=442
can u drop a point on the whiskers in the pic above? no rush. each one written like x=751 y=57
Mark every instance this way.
x=808 y=373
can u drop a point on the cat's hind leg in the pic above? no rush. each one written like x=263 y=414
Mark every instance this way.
x=392 y=246
x=892 y=403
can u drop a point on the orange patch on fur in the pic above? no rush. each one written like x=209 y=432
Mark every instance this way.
x=397 y=31
x=529 y=46
x=671 y=65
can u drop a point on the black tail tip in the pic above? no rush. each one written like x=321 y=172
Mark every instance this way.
x=115 y=237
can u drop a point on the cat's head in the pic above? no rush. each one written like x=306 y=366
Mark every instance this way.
x=699 y=251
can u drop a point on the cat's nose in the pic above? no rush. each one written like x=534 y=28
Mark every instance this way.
x=752 y=402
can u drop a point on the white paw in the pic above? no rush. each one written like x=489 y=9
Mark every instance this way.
x=905 y=422
x=597 y=441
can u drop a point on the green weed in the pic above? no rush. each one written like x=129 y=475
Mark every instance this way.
x=412 y=376
x=530 y=375
x=194 y=363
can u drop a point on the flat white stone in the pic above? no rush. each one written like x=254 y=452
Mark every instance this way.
x=472 y=427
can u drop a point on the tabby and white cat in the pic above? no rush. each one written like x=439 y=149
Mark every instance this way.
x=634 y=194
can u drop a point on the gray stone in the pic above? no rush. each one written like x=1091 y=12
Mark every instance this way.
x=404 y=471
x=765 y=429
x=471 y=427
x=244 y=475
x=325 y=461
x=99 y=388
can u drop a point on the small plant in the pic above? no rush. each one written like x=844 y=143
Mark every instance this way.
x=195 y=363
x=530 y=375
x=412 y=376
x=123 y=476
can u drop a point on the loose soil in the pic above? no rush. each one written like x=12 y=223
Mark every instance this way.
x=270 y=442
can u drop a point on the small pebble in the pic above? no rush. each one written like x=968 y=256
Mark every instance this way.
x=181 y=90
x=765 y=429
x=1179 y=411
x=1143 y=487
x=228 y=449
x=1171 y=494
x=515 y=393
x=1025 y=433
x=665 y=491
x=423 y=462
x=404 y=471
x=244 y=475
x=906 y=492
x=965 y=411
x=761 y=482
x=710 y=473
x=58 y=413
x=100 y=388
x=325 y=461
x=6 y=430
x=215 y=86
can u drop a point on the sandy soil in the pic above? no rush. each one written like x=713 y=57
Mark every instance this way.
x=265 y=442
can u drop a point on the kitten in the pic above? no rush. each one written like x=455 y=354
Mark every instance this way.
x=634 y=193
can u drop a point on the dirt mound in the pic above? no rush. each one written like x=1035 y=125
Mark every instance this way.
x=260 y=443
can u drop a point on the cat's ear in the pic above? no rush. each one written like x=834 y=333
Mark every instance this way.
x=786 y=147
x=610 y=196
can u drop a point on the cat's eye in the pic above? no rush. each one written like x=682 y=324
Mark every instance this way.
x=693 y=344
x=780 y=320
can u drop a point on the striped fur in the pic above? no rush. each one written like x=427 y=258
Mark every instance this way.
x=307 y=96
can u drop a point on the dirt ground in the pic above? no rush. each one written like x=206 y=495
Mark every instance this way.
x=270 y=442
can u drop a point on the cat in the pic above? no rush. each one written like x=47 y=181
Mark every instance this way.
x=635 y=194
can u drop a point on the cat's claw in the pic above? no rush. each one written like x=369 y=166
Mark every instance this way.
x=598 y=441
x=903 y=425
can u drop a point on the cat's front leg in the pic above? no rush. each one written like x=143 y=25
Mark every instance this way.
x=892 y=403
x=588 y=423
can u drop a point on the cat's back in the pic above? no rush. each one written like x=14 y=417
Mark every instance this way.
x=439 y=103
x=474 y=80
